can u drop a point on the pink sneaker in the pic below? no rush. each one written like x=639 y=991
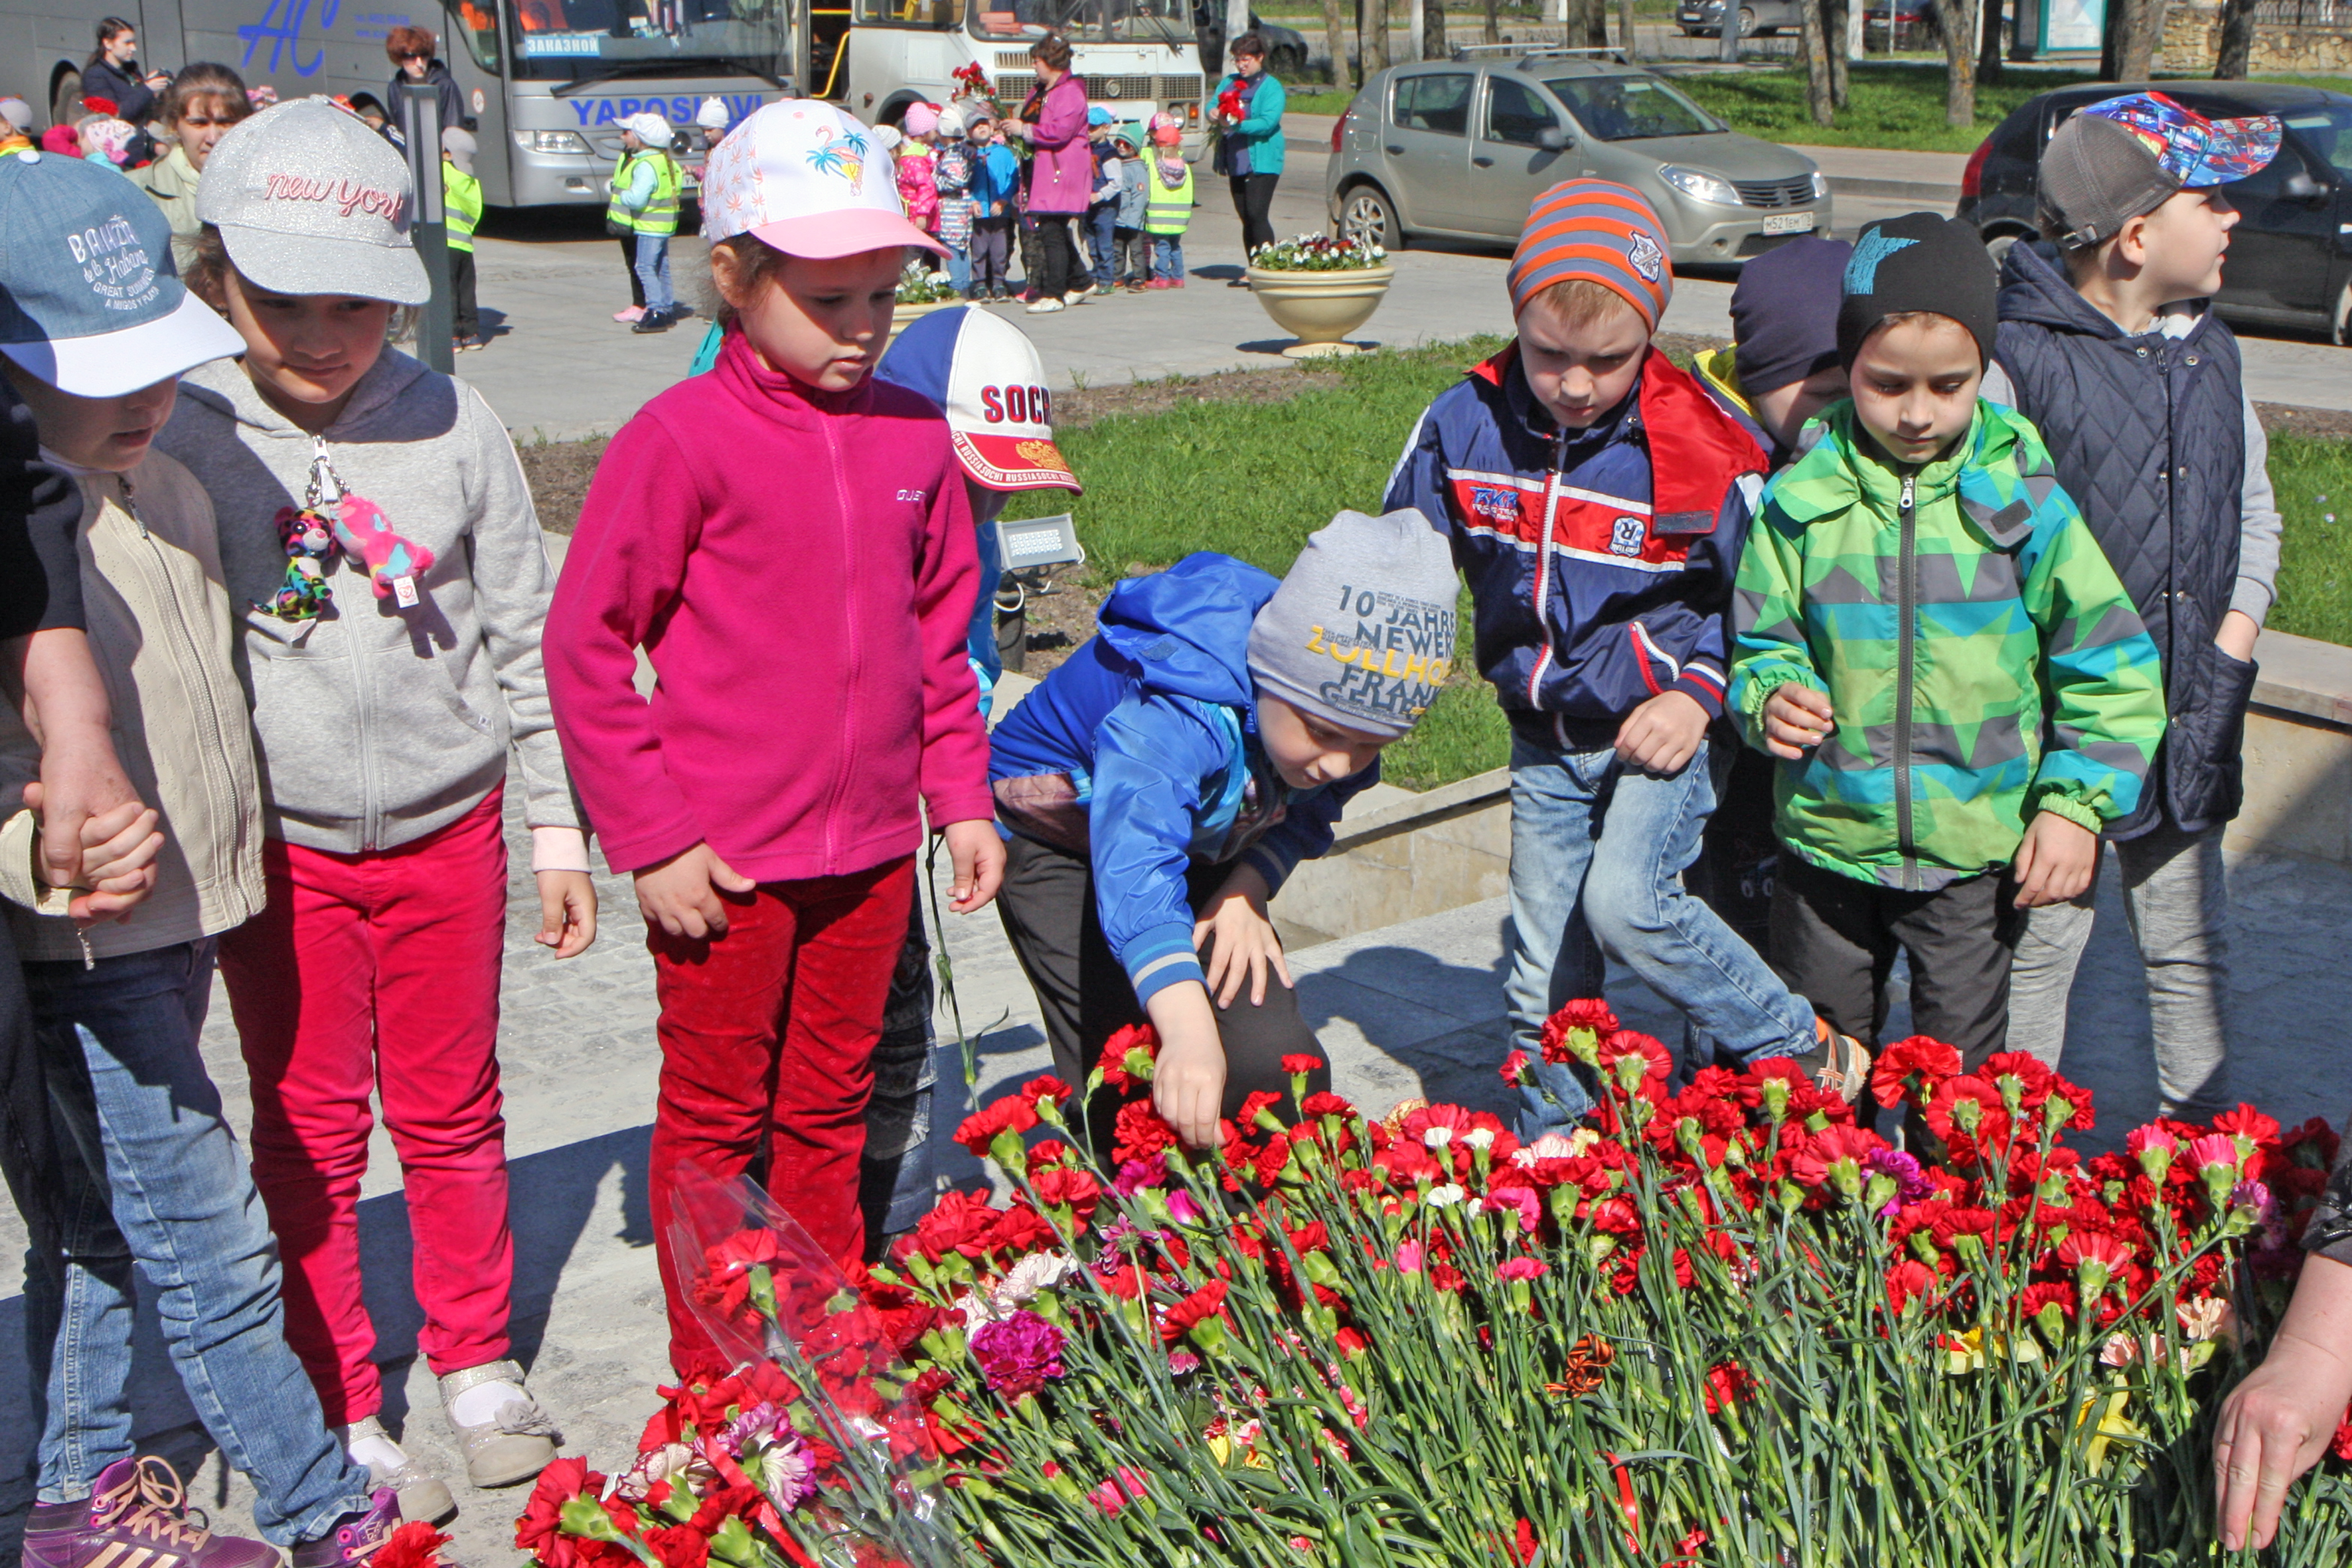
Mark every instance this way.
x=633 y=314
x=136 y=1513
x=1175 y=283
x=1160 y=283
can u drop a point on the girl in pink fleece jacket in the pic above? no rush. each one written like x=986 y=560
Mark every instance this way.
x=790 y=544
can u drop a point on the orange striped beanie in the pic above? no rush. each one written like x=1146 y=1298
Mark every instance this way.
x=1600 y=231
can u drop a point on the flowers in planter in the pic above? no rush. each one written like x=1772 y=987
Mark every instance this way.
x=919 y=286
x=1723 y=1324
x=1317 y=253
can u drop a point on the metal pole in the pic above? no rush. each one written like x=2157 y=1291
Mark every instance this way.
x=429 y=228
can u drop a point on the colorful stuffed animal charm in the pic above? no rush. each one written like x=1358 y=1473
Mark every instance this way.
x=309 y=536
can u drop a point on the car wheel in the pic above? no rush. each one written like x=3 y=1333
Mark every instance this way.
x=1286 y=63
x=1366 y=213
x=2343 y=332
x=1747 y=22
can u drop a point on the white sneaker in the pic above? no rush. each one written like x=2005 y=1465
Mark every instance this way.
x=1046 y=307
x=1077 y=296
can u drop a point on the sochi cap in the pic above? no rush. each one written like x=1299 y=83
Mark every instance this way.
x=984 y=372
x=309 y=201
x=808 y=179
x=88 y=301
x=2125 y=156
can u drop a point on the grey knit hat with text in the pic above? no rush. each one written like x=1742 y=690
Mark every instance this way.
x=1362 y=631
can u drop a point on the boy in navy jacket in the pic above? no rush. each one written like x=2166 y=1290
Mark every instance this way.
x=1159 y=787
x=1597 y=499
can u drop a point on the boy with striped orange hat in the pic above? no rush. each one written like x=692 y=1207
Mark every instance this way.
x=1597 y=500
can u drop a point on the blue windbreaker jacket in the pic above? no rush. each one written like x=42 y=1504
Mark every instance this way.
x=1598 y=580
x=1141 y=752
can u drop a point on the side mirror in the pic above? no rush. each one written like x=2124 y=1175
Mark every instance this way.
x=1551 y=139
x=2300 y=186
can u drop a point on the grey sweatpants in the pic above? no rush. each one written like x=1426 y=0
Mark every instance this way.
x=2177 y=905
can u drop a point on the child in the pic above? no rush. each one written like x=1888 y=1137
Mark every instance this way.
x=1931 y=643
x=461 y=206
x=1167 y=205
x=643 y=213
x=1102 y=201
x=203 y=102
x=2116 y=355
x=374 y=518
x=995 y=176
x=772 y=837
x=1597 y=498
x=951 y=172
x=1160 y=784
x=147 y=1174
x=1131 y=261
x=983 y=373
x=918 y=186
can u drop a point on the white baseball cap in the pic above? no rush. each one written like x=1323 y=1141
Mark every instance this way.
x=651 y=129
x=712 y=114
x=809 y=180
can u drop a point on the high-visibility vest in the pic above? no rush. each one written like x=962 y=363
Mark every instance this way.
x=461 y=206
x=660 y=215
x=1166 y=211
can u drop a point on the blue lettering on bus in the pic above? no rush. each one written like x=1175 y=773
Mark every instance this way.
x=677 y=111
x=284 y=30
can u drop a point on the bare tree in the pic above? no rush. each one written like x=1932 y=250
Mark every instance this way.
x=1989 y=56
x=1433 y=30
x=2135 y=31
x=1628 y=39
x=1335 y=38
x=2237 y=41
x=1833 y=14
x=1494 y=34
x=1812 y=45
x=1959 y=20
x=1374 y=50
x=1589 y=19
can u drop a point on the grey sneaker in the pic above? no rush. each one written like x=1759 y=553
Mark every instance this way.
x=423 y=1494
x=514 y=1445
x=136 y=1513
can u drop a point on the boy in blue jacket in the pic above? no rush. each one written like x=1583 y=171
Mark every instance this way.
x=1597 y=499
x=1160 y=784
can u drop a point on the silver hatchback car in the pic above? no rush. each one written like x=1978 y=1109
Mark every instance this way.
x=1462 y=148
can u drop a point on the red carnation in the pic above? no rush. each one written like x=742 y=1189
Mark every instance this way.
x=415 y=1544
x=1140 y=1133
x=1186 y=1315
x=1014 y=1113
x=1298 y=1064
x=1045 y=1087
x=1587 y=1014
x=1127 y=1055
x=540 y=1531
x=1912 y=1069
x=1728 y=1383
x=1067 y=1187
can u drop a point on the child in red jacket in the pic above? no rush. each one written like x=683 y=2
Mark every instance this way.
x=791 y=544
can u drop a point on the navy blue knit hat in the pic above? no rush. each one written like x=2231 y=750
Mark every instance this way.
x=1784 y=313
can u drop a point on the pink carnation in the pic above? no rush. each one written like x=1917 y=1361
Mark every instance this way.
x=1018 y=1353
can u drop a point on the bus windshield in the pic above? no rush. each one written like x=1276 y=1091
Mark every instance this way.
x=569 y=40
x=1082 y=21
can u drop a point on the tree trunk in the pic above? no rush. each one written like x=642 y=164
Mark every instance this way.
x=1833 y=13
x=2143 y=37
x=2237 y=41
x=1374 y=50
x=1989 y=57
x=1727 y=37
x=1960 y=19
x=1433 y=31
x=1494 y=34
x=1335 y=38
x=1628 y=38
x=1812 y=45
x=1591 y=18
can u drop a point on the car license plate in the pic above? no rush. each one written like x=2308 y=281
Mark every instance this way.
x=1789 y=223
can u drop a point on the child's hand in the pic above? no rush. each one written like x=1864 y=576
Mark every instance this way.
x=2276 y=1424
x=113 y=863
x=1188 y=1081
x=1796 y=719
x=681 y=894
x=978 y=853
x=2056 y=861
x=1662 y=734
x=567 y=912
x=1246 y=945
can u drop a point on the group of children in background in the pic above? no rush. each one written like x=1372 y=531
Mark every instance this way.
x=1905 y=602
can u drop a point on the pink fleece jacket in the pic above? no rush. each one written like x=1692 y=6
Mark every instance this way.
x=798 y=568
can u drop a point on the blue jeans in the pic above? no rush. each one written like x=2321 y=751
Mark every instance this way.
x=1597 y=857
x=960 y=269
x=1167 y=256
x=151 y=1176
x=1102 y=239
x=653 y=272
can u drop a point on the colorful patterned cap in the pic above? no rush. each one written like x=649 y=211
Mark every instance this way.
x=809 y=179
x=2125 y=156
x=1599 y=231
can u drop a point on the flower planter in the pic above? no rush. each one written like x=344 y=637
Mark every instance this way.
x=903 y=316
x=1320 y=309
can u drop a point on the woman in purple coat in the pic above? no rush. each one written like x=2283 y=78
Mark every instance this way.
x=1053 y=123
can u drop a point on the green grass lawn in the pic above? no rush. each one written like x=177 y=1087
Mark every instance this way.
x=2314 y=479
x=1890 y=105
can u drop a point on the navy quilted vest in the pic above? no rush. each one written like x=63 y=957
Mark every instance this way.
x=2148 y=435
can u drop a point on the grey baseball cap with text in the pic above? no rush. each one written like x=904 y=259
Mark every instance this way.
x=309 y=201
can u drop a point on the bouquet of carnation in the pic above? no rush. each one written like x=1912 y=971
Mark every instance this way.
x=971 y=81
x=1722 y=1323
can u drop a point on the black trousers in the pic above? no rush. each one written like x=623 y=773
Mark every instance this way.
x=1058 y=256
x=1835 y=940
x=1253 y=195
x=465 y=321
x=629 y=260
x=1049 y=908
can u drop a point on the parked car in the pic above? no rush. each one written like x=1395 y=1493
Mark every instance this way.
x=1757 y=18
x=2289 y=261
x=1462 y=148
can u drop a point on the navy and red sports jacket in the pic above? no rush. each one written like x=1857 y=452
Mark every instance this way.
x=1599 y=562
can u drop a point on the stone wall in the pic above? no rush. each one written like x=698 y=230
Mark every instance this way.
x=2192 y=42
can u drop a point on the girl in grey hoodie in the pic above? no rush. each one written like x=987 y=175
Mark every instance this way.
x=378 y=538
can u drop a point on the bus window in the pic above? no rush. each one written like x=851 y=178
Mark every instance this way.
x=477 y=24
x=906 y=13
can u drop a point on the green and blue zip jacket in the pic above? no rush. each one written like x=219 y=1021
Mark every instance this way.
x=1982 y=660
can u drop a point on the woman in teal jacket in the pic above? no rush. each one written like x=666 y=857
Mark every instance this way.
x=1249 y=111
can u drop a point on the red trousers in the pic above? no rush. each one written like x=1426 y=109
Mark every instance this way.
x=768 y=1037
x=381 y=972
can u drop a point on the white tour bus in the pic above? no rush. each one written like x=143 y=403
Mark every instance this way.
x=547 y=81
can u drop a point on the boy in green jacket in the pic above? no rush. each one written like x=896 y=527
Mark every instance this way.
x=1931 y=642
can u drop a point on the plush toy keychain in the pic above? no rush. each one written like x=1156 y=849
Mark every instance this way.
x=309 y=536
x=330 y=518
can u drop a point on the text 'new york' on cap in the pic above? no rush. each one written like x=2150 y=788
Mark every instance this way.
x=809 y=180
x=89 y=301
x=984 y=374
x=309 y=201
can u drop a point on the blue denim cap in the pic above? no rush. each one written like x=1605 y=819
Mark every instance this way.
x=89 y=299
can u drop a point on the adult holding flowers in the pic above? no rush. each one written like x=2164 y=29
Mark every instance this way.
x=1249 y=111
x=1052 y=121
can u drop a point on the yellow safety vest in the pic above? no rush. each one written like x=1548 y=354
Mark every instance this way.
x=1166 y=211
x=461 y=205
x=660 y=215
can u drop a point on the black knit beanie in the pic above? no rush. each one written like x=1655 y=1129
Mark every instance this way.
x=1918 y=262
x=1784 y=313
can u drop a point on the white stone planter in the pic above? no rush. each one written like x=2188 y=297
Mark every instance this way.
x=1320 y=309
